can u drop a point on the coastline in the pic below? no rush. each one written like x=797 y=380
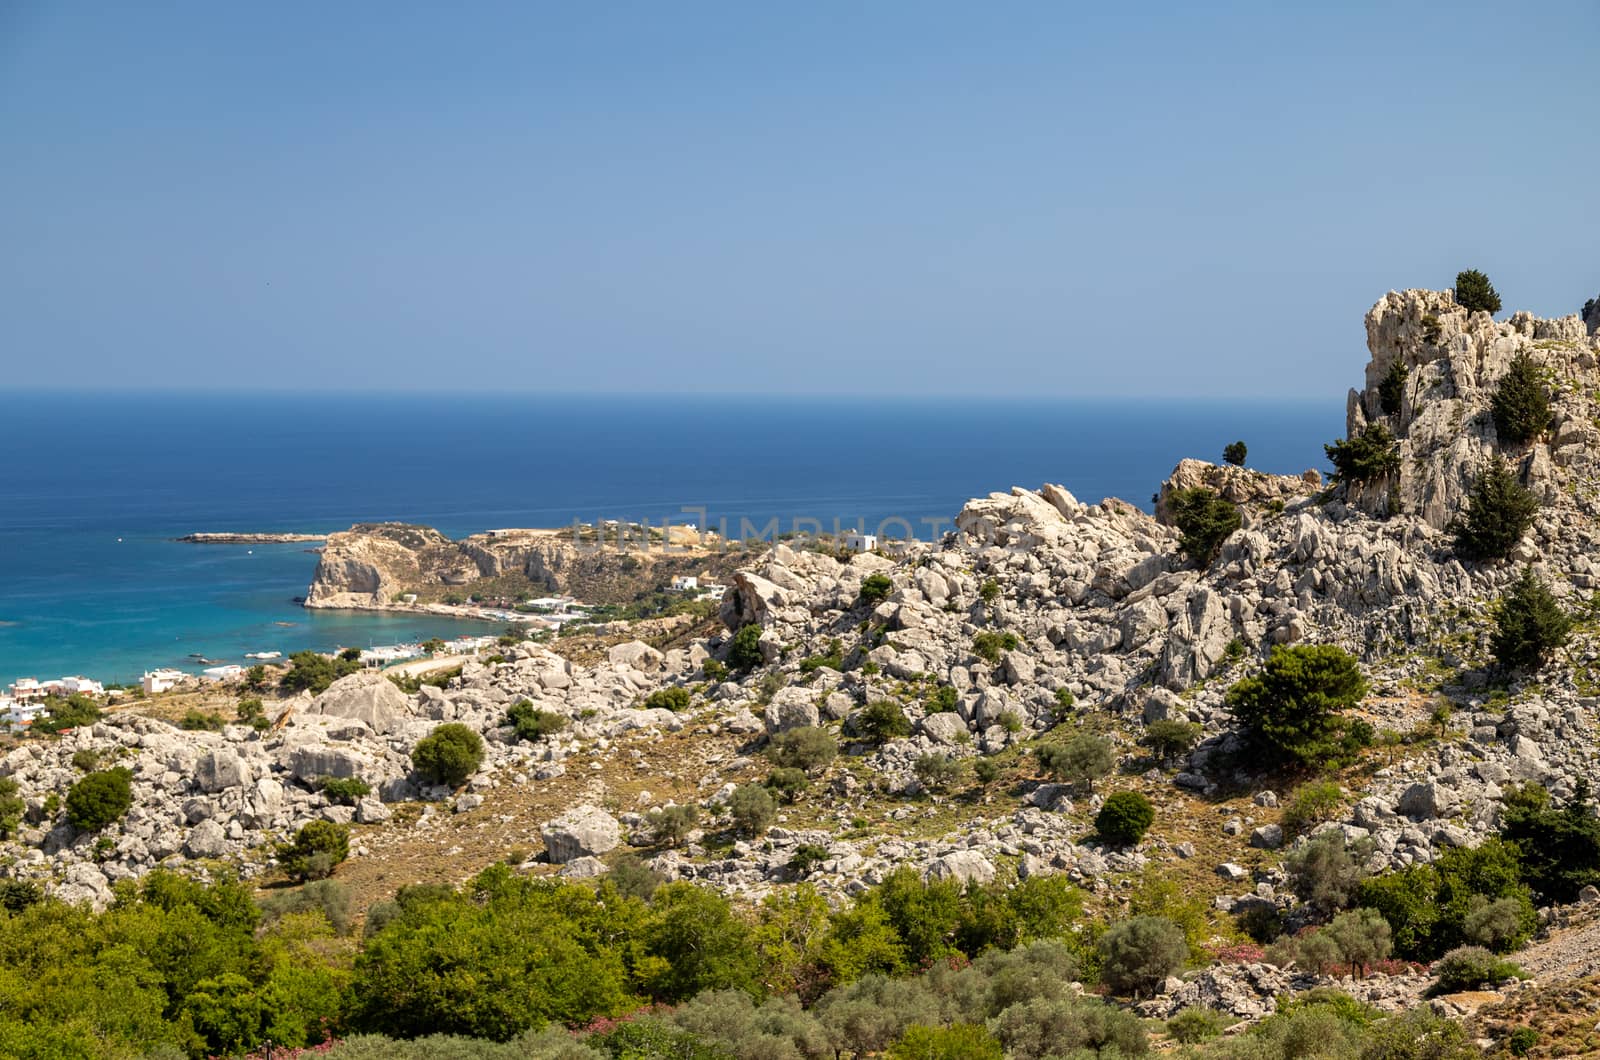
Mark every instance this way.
x=230 y=538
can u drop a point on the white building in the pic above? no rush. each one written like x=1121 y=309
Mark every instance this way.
x=684 y=582
x=157 y=681
x=26 y=688
x=69 y=686
x=231 y=672
x=859 y=542
x=390 y=653
x=18 y=715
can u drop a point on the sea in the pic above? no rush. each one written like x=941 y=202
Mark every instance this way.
x=95 y=487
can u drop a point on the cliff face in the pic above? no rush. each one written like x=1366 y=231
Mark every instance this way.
x=372 y=565
x=1455 y=360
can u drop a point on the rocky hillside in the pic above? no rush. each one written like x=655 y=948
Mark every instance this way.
x=372 y=565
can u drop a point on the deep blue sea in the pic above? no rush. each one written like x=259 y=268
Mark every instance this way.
x=93 y=488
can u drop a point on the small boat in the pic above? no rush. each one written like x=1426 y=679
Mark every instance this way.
x=197 y=655
x=283 y=624
x=263 y=655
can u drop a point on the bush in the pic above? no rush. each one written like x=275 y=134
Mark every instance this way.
x=746 y=651
x=62 y=714
x=633 y=878
x=987 y=770
x=1498 y=925
x=809 y=748
x=714 y=670
x=1521 y=1041
x=312 y=672
x=1137 y=955
x=959 y=1041
x=882 y=721
x=1080 y=761
x=328 y=897
x=1521 y=406
x=1367 y=457
x=1428 y=907
x=1204 y=519
x=1235 y=453
x=1325 y=873
x=1168 y=739
x=1558 y=850
x=250 y=708
x=1470 y=968
x=1499 y=511
x=448 y=755
x=787 y=782
x=673 y=699
x=875 y=588
x=99 y=798
x=1124 y=818
x=1292 y=707
x=200 y=721
x=348 y=790
x=752 y=809
x=86 y=760
x=1196 y=1024
x=1528 y=624
x=671 y=825
x=833 y=658
x=317 y=848
x=1047 y=1027
x=988 y=645
x=936 y=771
x=942 y=700
x=12 y=807
x=531 y=723
x=1310 y=805
x=1363 y=938
x=1474 y=292
x=1392 y=390
x=989 y=591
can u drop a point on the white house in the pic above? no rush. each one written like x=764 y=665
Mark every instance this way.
x=685 y=582
x=859 y=542
x=68 y=686
x=26 y=688
x=156 y=681
x=18 y=715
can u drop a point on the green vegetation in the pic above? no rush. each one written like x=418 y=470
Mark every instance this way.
x=1137 y=955
x=433 y=678
x=1311 y=805
x=1471 y=968
x=875 y=588
x=714 y=670
x=787 y=783
x=348 y=790
x=752 y=808
x=1325 y=873
x=1521 y=405
x=1080 y=761
x=936 y=772
x=989 y=591
x=1235 y=453
x=882 y=720
x=1204 y=519
x=745 y=654
x=12 y=807
x=1558 y=850
x=448 y=755
x=672 y=698
x=201 y=721
x=317 y=848
x=989 y=644
x=1124 y=818
x=1371 y=455
x=808 y=748
x=1293 y=707
x=99 y=799
x=1392 y=390
x=1499 y=512
x=1428 y=907
x=671 y=825
x=942 y=700
x=1168 y=739
x=533 y=724
x=60 y=714
x=1475 y=292
x=312 y=672
x=1528 y=624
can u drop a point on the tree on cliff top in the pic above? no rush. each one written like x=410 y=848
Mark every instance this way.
x=1475 y=292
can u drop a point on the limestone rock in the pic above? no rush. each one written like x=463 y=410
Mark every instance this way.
x=583 y=831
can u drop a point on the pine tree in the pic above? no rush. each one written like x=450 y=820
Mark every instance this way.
x=1499 y=512
x=1528 y=624
x=1521 y=403
x=1475 y=292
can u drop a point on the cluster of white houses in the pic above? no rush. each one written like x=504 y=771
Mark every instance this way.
x=24 y=699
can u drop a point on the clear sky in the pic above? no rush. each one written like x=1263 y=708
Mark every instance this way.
x=918 y=197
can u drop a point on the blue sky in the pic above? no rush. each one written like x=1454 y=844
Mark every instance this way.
x=945 y=198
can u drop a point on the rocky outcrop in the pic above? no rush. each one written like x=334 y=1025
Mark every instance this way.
x=1238 y=485
x=582 y=832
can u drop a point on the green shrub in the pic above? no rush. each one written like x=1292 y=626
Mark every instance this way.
x=671 y=825
x=1558 y=850
x=1065 y=700
x=987 y=770
x=942 y=700
x=809 y=748
x=745 y=654
x=989 y=591
x=882 y=720
x=807 y=856
x=1499 y=511
x=1363 y=938
x=752 y=809
x=201 y=721
x=1521 y=406
x=531 y=723
x=1137 y=955
x=1429 y=907
x=633 y=878
x=714 y=670
x=1310 y=805
x=86 y=760
x=673 y=698
x=313 y=672
x=1475 y=292
x=787 y=783
x=875 y=588
x=250 y=708
x=99 y=799
x=60 y=714
x=1471 y=968
x=1392 y=390
x=317 y=848
x=1082 y=760
x=1498 y=925
x=936 y=771
x=833 y=658
x=1204 y=519
x=1292 y=708
x=1124 y=818
x=1235 y=453
x=348 y=790
x=1167 y=739
x=1047 y=1027
x=12 y=807
x=988 y=645
x=1371 y=455
x=1528 y=624
x=959 y=1041
x=1196 y=1024
x=448 y=755
x=1521 y=1041
x=1326 y=872
x=1431 y=329
x=327 y=897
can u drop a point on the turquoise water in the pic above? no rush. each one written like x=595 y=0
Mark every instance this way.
x=82 y=471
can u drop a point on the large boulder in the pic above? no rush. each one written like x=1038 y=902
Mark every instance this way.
x=962 y=866
x=220 y=770
x=584 y=831
x=368 y=697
